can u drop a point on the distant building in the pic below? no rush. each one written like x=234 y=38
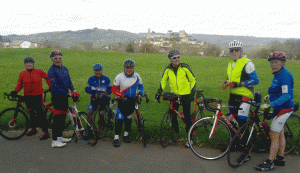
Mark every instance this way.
x=21 y=44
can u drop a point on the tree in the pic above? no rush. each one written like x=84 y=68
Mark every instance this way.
x=130 y=47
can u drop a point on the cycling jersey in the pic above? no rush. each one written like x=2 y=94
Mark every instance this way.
x=31 y=81
x=281 y=90
x=60 y=80
x=102 y=83
x=181 y=79
x=127 y=86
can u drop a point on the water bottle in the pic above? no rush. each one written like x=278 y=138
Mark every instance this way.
x=232 y=120
x=265 y=126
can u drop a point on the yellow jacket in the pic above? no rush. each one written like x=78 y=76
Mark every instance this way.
x=182 y=81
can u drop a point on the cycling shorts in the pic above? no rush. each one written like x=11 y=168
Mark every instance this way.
x=279 y=121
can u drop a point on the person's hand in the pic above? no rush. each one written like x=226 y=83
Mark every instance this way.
x=13 y=93
x=224 y=85
x=264 y=106
x=140 y=96
x=235 y=84
x=75 y=94
x=267 y=98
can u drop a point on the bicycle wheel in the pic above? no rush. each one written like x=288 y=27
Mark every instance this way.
x=90 y=131
x=166 y=130
x=13 y=127
x=197 y=115
x=239 y=150
x=202 y=146
x=104 y=123
x=291 y=133
x=141 y=127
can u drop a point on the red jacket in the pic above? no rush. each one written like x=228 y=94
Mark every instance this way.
x=32 y=82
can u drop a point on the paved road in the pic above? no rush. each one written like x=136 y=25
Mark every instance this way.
x=32 y=155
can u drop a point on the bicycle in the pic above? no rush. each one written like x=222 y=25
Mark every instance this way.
x=247 y=136
x=166 y=129
x=209 y=137
x=103 y=115
x=139 y=119
x=84 y=125
x=14 y=121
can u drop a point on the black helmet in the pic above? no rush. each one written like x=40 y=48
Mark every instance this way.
x=173 y=52
x=128 y=63
x=55 y=52
x=28 y=59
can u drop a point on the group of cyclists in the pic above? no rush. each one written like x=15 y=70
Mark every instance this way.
x=241 y=79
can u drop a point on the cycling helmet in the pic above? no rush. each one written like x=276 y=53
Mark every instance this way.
x=28 y=59
x=55 y=52
x=235 y=44
x=97 y=66
x=173 y=52
x=277 y=55
x=128 y=63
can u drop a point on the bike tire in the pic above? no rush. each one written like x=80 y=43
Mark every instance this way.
x=238 y=151
x=166 y=130
x=103 y=123
x=20 y=127
x=195 y=115
x=141 y=127
x=292 y=133
x=202 y=146
x=90 y=130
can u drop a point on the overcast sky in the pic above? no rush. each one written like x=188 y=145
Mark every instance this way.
x=260 y=18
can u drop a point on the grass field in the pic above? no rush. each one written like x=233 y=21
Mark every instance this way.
x=210 y=72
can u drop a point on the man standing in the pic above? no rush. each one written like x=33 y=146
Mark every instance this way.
x=183 y=83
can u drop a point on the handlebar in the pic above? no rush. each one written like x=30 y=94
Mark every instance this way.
x=137 y=99
x=13 y=98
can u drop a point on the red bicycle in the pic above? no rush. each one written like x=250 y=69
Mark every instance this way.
x=14 y=121
x=166 y=129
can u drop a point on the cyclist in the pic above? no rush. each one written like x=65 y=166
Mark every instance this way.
x=31 y=80
x=241 y=78
x=126 y=85
x=61 y=82
x=95 y=83
x=182 y=82
x=281 y=99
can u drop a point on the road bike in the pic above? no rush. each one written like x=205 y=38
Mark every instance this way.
x=166 y=129
x=14 y=121
x=255 y=133
x=84 y=125
x=139 y=119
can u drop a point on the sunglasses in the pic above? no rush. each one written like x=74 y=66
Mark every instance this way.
x=176 y=57
x=236 y=50
x=57 y=58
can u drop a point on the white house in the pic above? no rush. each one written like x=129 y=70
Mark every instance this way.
x=21 y=44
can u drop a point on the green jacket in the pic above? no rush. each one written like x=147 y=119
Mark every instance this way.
x=181 y=79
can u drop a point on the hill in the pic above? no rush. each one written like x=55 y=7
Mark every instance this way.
x=101 y=37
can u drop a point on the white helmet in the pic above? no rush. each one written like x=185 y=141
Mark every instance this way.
x=235 y=44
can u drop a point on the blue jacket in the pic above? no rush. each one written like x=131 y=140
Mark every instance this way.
x=103 y=84
x=282 y=90
x=60 y=80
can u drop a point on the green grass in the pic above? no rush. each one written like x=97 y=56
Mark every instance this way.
x=210 y=72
